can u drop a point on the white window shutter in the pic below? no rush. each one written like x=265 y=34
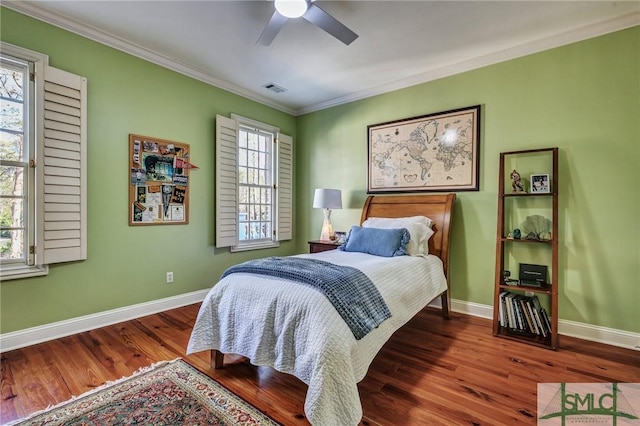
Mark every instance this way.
x=62 y=169
x=284 y=187
x=226 y=182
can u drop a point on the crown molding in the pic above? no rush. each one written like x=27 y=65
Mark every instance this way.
x=92 y=33
x=535 y=46
x=497 y=56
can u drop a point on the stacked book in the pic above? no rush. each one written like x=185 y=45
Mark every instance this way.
x=523 y=315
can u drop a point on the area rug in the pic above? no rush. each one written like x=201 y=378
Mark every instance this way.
x=169 y=393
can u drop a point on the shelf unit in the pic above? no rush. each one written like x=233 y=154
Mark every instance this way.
x=507 y=206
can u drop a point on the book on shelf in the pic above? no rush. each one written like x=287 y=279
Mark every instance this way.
x=515 y=320
x=523 y=315
x=503 y=318
x=521 y=320
x=536 y=314
x=517 y=316
x=545 y=319
x=509 y=310
x=526 y=307
x=545 y=326
x=525 y=303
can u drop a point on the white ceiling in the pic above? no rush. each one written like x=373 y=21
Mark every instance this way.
x=400 y=43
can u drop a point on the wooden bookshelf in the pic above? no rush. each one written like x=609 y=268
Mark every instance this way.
x=505 y=245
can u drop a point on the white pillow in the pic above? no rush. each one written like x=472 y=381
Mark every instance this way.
x=419 y=228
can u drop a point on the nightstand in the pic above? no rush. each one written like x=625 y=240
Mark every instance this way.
x=316 y=246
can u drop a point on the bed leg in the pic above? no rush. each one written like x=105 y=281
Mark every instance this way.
x=446 y=304
x=217 y=359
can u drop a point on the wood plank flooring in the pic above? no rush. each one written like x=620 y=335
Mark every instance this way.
x=431 y=372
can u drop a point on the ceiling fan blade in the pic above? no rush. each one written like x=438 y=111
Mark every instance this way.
x=317 y=16
x=272 y=29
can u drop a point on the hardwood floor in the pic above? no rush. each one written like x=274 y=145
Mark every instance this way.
x=431 y=372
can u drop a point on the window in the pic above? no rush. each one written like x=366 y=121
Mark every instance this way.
x=42 y=164
x=16 y=151
x=253 y=184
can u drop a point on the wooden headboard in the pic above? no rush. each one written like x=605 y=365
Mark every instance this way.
x=437 y=207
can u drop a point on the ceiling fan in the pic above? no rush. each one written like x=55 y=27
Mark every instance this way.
x=308 y=10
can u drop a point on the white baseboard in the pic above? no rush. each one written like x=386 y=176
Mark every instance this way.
x=31 y=336
x=609 y=336
x=471 y=308
x=56 y=330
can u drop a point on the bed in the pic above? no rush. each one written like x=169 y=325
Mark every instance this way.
x=296 y=330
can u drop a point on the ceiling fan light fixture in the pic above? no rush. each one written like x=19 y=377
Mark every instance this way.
x=291 y=8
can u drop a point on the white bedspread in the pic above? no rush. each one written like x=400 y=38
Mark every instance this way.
x=295 y=329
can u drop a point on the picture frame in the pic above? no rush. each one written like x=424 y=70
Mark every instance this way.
x=539 y=184
x=158 y=181
x=437 y=152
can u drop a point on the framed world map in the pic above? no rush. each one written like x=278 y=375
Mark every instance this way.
x=435 y=152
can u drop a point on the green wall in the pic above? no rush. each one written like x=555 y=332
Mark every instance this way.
x=583 y=98
x=127 y=265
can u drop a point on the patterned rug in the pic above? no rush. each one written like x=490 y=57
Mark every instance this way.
x=168 y=393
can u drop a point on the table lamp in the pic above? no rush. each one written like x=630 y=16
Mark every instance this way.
x=327 y=199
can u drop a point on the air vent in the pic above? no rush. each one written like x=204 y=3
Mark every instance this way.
x=274 y=88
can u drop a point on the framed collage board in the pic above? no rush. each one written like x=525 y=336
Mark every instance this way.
x=159 y=181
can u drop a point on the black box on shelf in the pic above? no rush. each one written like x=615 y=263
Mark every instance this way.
x=533 y=275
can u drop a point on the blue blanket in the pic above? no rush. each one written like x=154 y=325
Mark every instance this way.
x=350 y=291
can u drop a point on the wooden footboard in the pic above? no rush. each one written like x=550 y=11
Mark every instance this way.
x=217 y=359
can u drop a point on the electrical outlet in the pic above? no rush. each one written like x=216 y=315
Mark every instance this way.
x=169 y=277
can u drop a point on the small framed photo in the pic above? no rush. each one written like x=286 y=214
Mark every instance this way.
x=341 y=237
x=540 y=184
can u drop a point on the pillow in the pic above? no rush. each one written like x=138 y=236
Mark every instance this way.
x=377 y=241
x=419 y=228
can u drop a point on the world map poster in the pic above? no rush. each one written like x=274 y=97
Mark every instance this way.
x=435 y=152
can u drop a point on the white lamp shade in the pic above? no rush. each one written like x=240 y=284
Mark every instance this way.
x=327 y=199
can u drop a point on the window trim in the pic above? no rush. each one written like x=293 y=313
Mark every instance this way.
x=29 y=268
x=272 y=242
x=26 y=68
x=226 y=187
x=13 y=272
x=54 y=138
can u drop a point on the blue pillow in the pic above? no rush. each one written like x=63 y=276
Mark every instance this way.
x=377 y=241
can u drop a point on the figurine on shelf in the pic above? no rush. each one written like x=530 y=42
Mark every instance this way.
x=517 y=234
x=506 y=278
x=516 y=181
